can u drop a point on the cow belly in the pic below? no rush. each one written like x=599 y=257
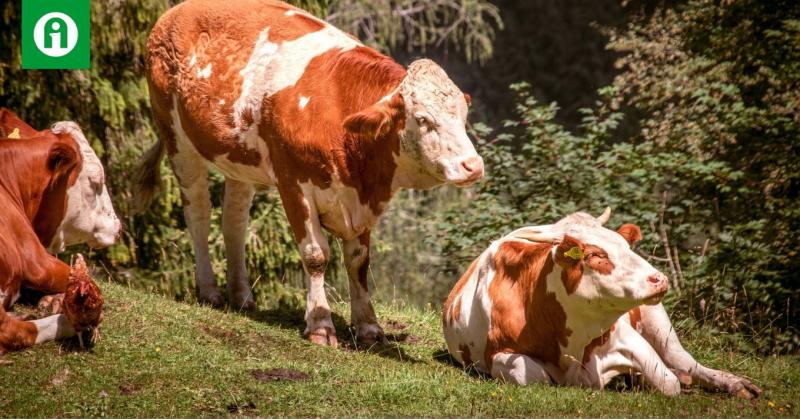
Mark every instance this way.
x=260 y=174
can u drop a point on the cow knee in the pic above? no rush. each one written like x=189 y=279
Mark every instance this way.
x=315 y=258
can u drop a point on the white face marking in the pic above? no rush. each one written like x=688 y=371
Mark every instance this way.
x=274 y=67
x=303 y=102
x=435 y=139
x=205 y=72
x=90 y=216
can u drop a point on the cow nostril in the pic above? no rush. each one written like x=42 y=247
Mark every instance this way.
x=654 y=279
x=472 y=164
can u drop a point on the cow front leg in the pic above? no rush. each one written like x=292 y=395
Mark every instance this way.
x=235 y=218
x=628 y=350
x=656 y=327
x=192 y=174
x=362 y=314
x=315 y=253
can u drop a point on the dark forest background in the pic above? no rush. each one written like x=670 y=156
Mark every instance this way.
x=683 y=116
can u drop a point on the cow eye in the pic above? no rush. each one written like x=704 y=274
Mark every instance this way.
x=423 y=121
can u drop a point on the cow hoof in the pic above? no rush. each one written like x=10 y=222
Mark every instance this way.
x=324 y=336
x=242 y=304
x=745 y=390
x=213 y=298
x=370 y=333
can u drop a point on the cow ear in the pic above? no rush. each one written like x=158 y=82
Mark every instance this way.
x=569 y=255
x=630 y=232
x=378 y=119
x=468 y=98
x=61 y=159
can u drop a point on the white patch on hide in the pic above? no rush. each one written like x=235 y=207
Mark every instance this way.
x=205 y=72
x=303 y=102
x=273 y=67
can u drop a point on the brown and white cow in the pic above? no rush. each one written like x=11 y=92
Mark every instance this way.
x=272 y=96
x=35 y=175
x=89 y=217
x=571 y=304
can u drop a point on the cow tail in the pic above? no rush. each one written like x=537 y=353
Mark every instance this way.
x=147 y=177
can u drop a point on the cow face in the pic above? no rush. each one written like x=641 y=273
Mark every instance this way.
x=90 y=216
x=599 y=265
x=435 y=138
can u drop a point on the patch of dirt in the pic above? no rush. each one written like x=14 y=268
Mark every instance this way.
x=396 y=325
x=227 y=336
x=128 y=389
x=278 y=374
x=241 y=408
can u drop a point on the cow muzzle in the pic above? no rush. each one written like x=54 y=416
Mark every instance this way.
x=470 y=170
x=658 y=284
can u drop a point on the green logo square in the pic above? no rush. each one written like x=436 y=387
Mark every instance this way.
x=55 y=34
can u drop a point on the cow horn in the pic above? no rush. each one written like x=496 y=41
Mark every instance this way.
x=603 y=218
x=538 y=234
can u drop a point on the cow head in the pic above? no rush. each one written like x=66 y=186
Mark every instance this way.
x=432 y=112
x=90 y=216
x=598 y=264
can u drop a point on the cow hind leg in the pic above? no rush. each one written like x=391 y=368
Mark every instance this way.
x=362 y=314
x=235 y=218
x=192 y=173
x=519 y=369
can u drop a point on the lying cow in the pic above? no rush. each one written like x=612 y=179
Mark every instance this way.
x=89 y=216
x=272 y=96
x=35 y=175
x=571 y=304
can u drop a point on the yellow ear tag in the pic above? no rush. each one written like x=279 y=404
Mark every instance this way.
x=574 y=253
x=14 y=134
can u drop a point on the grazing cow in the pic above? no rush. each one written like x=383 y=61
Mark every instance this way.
x=89 y=217
x=34 y=177
x=571 y=304
x=272 y=96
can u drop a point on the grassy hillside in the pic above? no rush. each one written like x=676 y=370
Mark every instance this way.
x=162 y=358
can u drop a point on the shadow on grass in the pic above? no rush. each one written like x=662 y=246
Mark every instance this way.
x=293 y=318
x=444 y=357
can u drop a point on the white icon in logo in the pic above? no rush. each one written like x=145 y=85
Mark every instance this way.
x=55 y=34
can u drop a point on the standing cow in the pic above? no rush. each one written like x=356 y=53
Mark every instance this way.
x=271 y=96
x=571 y=304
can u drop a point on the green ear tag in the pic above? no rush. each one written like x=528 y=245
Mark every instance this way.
x=574 y=253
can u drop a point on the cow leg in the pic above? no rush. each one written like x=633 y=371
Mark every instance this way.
x=192 y=174
x=519 y=369
x=362 y=315
x=301 y=210
x=315 y=253
x=628 y=350
x=45 y=272
x=235 y=218
x=656 y=327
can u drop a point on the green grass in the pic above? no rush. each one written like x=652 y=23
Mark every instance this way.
x=159 y=358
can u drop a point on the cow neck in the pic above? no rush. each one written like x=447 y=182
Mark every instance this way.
x=368 y=163
x=17 y=158
x=586 y=323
